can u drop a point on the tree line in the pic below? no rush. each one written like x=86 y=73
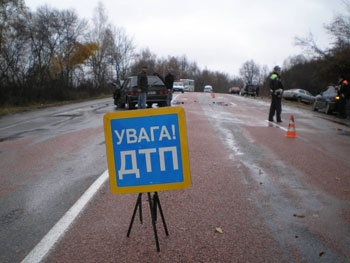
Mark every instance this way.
x=315 y=68
x=52 y=55
x=318 y=68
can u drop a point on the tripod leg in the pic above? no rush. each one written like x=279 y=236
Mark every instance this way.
x=138 y=204
x=140 y=207
x=154 y=207
x=157 y=201
x=153 y=215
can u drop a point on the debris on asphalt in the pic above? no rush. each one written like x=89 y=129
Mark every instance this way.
x=219 y=230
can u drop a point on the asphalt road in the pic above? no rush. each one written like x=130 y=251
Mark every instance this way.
x=48 y=158
x=276 y=199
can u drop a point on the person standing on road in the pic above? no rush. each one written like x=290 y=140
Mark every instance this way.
x=142 y=88
x=276 y=89
x=169 y=81
x=344 y=97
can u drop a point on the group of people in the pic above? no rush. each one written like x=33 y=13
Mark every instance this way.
x=276 y=89
x=142 y=84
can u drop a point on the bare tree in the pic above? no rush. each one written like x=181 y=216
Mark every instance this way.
x=10 y=10
x=184 y=67
x=173 y=64
x=54 y=38
x=310 y=46
x=123 y=53
x=70 y=52
x=12 y=49
x=101 y=64
x=339 y=29
x=250 y=72
x=145 y=57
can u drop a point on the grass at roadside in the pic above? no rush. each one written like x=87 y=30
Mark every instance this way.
x=7 y=110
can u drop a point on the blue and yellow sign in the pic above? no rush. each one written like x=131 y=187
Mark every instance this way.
x=147 y=150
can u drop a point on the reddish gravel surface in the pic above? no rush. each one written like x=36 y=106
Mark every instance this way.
x=218 y=197
x=221 y=196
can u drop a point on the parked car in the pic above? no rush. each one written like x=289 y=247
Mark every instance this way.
x=127 y=93
x=178 y=86
x=299 y=95
x=234 y=90
x=327 y=101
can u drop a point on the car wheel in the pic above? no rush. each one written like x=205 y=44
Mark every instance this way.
x=314 y=106
x=131 y=105
x=120 y=105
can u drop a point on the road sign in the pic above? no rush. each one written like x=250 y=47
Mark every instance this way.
x=147 y=150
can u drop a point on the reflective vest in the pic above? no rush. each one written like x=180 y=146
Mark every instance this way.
x=273 y=76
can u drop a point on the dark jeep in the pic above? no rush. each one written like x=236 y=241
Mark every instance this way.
x=127 y=93
x=249 y=90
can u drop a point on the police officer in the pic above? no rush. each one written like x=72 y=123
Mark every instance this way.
x=142 y=88
x=169 y=81
x=276 y=89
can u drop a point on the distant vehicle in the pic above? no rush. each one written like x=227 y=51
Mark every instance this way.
x=127 y=93
x=208 y=88
x=178 y=86
x=188 y=84
x=249 y=90
x=234 y=90
x=299 y=95
x=327 y=101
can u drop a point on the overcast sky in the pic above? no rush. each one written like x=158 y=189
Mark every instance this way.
x=219 y=35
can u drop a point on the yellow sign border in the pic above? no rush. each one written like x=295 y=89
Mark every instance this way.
x=108 y=117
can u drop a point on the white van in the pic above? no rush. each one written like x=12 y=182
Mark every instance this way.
x=178 y=86
x=208 y=88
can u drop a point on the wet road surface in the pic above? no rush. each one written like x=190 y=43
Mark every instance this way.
x=275 y=199
x=48 y=158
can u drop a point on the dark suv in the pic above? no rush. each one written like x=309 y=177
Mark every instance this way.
x=249 y=90
x=127 y=93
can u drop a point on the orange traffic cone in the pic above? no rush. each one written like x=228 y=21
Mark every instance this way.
x=291 y=133
x=212 y=94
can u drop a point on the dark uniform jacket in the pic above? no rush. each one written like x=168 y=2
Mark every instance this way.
x=169 y=81
x=276 y=86
x=142 y=81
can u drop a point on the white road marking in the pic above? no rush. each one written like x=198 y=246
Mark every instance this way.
x=50 y=239
x=277 y=125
